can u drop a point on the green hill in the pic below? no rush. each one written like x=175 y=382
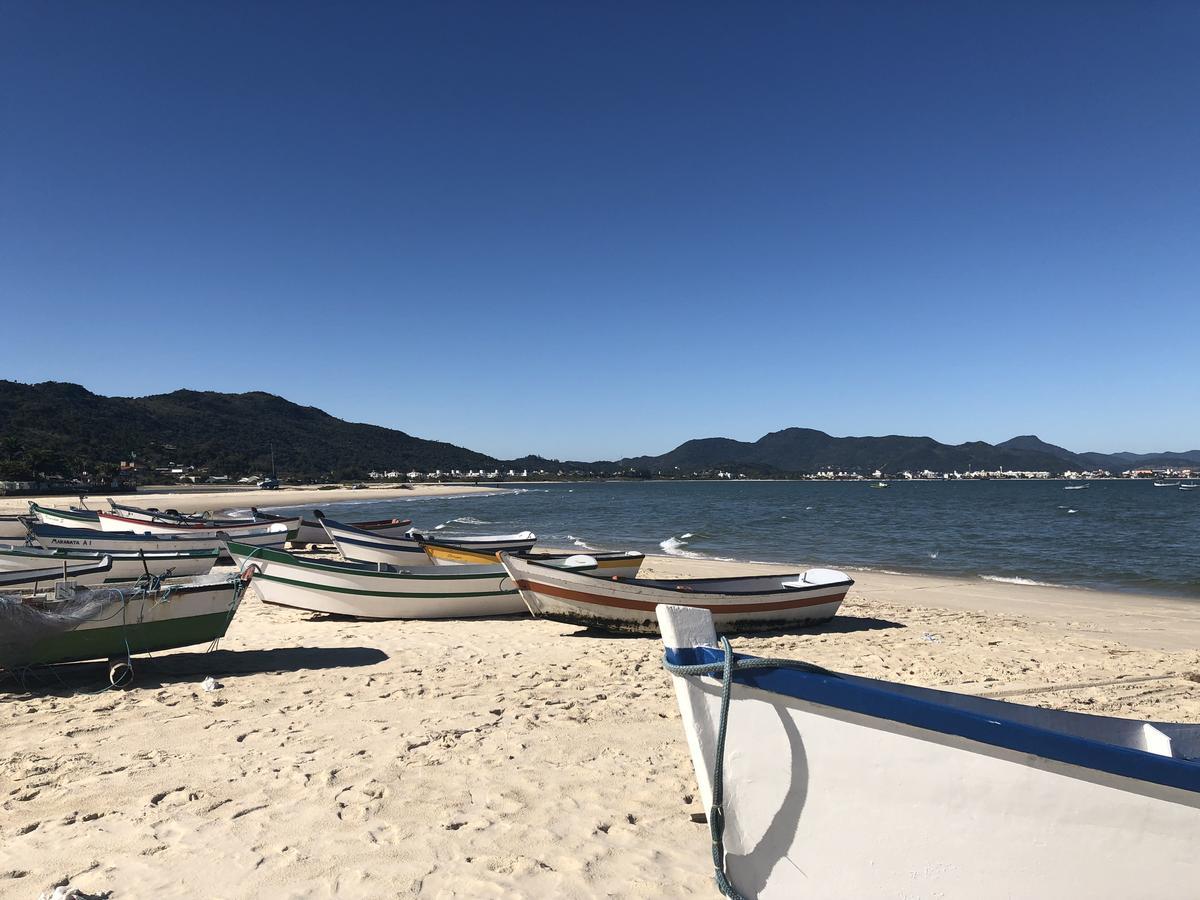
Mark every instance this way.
x=62 y=429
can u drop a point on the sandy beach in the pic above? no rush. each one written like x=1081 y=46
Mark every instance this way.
x=215 y=500
x=486 y=758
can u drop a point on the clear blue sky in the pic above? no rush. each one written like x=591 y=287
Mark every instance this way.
x=595 y=230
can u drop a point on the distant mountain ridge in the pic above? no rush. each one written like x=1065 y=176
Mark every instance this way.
x=54 y=424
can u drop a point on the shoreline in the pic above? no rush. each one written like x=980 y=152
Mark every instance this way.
x=195 y=501
x=1151 y=621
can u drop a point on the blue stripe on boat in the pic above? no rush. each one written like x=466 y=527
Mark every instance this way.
x=987 y=721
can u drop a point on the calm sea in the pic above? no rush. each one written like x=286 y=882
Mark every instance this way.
x=1124 y=535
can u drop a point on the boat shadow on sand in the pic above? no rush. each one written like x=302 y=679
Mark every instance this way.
x=160 y=671
x=836 y=625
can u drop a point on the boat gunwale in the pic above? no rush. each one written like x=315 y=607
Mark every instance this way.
x=875 y=698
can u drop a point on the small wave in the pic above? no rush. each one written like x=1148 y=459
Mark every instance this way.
x=470 y=520
x=685 y=536
x=1071 y=512
x=438 y=527
x=674 y=547
x=578 y=542
x=934 y=554
x=1016 y=579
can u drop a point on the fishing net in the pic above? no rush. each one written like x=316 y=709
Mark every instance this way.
x=26 y=621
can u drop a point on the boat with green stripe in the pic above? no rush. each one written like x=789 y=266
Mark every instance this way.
x=64 y=518
x=74 y=623
x=377 y=590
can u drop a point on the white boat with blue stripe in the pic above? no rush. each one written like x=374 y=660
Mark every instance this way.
x=820 y=784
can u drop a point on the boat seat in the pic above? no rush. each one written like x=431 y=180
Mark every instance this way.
x=1154 y=741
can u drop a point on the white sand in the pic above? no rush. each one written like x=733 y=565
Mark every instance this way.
x=501 y=758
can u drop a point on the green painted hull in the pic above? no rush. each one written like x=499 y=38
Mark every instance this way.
x=144 y=637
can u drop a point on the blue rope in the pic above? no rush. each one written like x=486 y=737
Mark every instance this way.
x=716 y=815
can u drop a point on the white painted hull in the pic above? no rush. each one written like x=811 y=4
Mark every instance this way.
x=829 y=802
x=64 y=519
x=313 y=533
x=425 y=592
x=406 y=550
x=244 y=533
x=123 y=569
x=597 y=601
x=83 y=539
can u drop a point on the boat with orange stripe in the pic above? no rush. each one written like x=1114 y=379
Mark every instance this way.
x=583 y=595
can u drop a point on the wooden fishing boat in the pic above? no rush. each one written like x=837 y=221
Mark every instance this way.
x=129 y=565
x=361 y=545
x=1166 y=484
x=625 y=563
x=54 y=538
x=154 y=514
x=12 y=529
x=311 y=532
x=30 y=576
x=1189 y=486
x=583 y=596
x=242 y=530
x=64 y=518
x=835 y=786
x=1076 y=487
x=75 y=623
x=374 y=591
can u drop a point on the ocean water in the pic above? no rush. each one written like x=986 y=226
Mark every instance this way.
x=1122 y=535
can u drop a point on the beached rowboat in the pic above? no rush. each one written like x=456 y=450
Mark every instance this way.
x=64 y=518
x=588 y=597
x=129 y=565
x=373 y=591
x=240 y=529
x=311 y=532
x=98 y=623
x=30 y=577
x=836 y=786
x=54 y=538
x=625 y=563
x=405 y=550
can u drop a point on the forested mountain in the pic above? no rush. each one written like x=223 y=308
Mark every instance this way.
x=57 y=429
x=61 y=429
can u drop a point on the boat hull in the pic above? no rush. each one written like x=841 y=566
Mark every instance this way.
x=244 y=532
x=64 y=518
x=140 y=622
x=125 y=567
x=932 y=813
x=356 y=590
x=622 y=565
x=360 y=545
x=597 y=601
x=311 y=532
x=53 y=538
